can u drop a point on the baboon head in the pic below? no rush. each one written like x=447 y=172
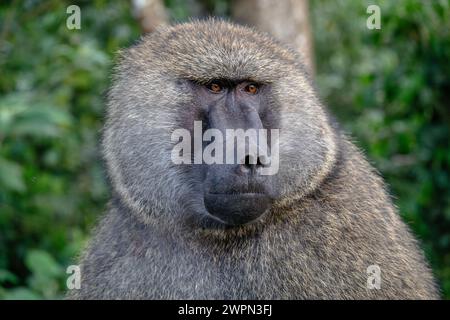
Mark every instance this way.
x=211 y=77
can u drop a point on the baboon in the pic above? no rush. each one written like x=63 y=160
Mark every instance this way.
x=322 y=227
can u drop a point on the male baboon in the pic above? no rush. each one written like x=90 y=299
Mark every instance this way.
x=315 y=230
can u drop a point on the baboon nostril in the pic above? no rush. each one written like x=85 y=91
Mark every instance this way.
x=250 y=161
x=259 y=162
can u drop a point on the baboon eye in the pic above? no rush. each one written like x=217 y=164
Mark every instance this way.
x=215 y=87
x=252 y=88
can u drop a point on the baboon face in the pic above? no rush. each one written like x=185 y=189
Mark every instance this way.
x=235 y=191
x=209 y=78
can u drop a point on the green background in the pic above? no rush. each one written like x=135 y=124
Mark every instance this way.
x=390 y=88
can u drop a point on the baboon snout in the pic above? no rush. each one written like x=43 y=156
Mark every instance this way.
x=237 y=194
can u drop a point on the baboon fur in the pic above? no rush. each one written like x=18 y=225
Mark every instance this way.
x=333 y=220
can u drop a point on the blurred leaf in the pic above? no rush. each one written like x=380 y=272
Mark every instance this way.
x=20 y=293
x=11 y=177
x=20 y=116
x=6 y=276
x=42 y=264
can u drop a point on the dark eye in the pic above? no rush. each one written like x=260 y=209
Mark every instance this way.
x=215 y=87
x=252 y=88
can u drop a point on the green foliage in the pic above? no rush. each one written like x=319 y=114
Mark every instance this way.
x=45 y=279
x=52 y=185
x=390 y=88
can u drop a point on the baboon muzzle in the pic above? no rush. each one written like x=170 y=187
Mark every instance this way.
x=236 y=192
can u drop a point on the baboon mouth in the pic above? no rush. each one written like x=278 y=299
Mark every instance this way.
x=237 y=208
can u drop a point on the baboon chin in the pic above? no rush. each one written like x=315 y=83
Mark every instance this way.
x=230 y=180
